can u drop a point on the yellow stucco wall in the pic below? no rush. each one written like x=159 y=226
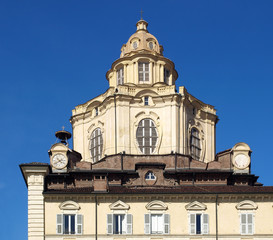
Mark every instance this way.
x=228 y=217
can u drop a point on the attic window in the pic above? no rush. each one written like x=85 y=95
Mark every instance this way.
x=150 y=176
x=151 y=45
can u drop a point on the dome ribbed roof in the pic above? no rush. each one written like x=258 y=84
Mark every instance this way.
x=141 y=41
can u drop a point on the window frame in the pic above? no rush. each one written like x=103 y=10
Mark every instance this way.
x=120 y=76
x=148 y=219
x=144 y=136
x=204 y=224
x=167 y=75
x=128 y=224
x=143 y=72
x=96 y=150
x=195 y=144
x=146 y=101
x=61 y=222
x=150 y=176
x=247 y=224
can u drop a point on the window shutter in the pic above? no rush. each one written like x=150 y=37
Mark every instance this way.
x=205 y=228
x=192 y=223
x=243 y=223
x=250 y=223
x=166 y=223
x=129 y=223
x=109 y=223
x=59 y=229
x=147 y=223
x=79 y=224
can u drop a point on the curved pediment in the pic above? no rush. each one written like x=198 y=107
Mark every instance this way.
x=156 y=205
x=69 y=205
x=196 y=206
x=119 y=205
x=246 y=205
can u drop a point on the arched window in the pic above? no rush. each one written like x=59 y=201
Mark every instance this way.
x=96 y=144
x=166 y=76
x=120 y=76
x=146 y=136
x=195 y=144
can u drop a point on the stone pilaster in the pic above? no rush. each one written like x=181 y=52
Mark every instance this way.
x=34 y=176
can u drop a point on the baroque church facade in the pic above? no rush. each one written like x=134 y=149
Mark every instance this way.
x=143 y=164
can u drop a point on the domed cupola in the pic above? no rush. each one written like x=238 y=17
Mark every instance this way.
x=141 y=41
x=141 y=62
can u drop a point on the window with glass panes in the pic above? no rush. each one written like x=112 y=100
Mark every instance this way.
x=166 y=76
x=96 y=144
x=157 y=223
x=69 y=223
x=120 y=77
x=150 y=176
x=119 y=223
x=199 y=223
x=146 y=136
x=195 y=144
x=143 y=72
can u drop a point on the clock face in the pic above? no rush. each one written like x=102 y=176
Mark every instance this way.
x=59 y=161
x=241 y=161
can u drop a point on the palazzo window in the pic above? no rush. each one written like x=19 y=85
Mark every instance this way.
x=143 y=72
x=69 y=223
x=195 y=145
x=199 y=223
x=119 y=223
x=120 y=76
x=166 y=76
x=157 y=223
x=146 y=136
x=247 y=223
x=247 y=216
x=96 y=144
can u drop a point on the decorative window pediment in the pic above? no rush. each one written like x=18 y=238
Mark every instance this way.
x=156 y=205
x=69 y=205
x=196 y=206
x=246 y=205
x=119 y=205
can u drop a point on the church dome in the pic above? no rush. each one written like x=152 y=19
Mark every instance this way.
x=141 y=41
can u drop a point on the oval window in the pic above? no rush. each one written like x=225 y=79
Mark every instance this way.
x=96 y=144
x=146 y=136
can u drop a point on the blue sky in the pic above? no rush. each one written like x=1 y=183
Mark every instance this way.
x=54 y=55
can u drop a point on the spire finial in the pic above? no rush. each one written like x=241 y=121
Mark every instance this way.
x=141 y=12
